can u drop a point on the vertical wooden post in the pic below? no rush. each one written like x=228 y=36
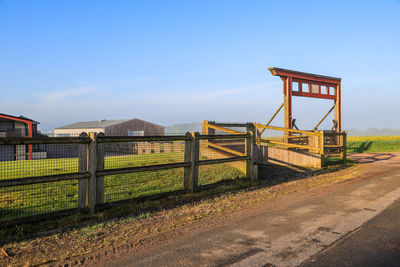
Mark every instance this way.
x=255 y=153
x=287 y=90
x=343 y=153
x=250 y=170
x=322 y=147
x=192 y=152
x=338 y=108
x=92 y=169
x=204 y=127
x=100 y=166
x=83 y=168
x=187 y=158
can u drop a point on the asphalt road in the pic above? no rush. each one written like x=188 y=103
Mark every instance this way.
x=376 y=243
x=298 y=227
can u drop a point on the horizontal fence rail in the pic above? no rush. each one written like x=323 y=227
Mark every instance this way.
x=86 y=171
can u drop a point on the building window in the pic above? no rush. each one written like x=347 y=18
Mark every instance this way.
x=135 y=133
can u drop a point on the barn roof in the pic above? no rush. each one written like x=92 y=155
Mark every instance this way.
x=98 y=124
x=93 y=124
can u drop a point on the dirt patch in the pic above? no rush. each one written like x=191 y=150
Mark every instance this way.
x=107 y=240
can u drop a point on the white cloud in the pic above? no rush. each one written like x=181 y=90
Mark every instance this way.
x=236 y=90
x=59 y=96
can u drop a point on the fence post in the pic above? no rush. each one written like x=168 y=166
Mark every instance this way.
x=250 y=170
x=322 y=147
x=83 y=168
x=92 y=169
x=343 y=153
x=192 y=152
x=256 y=150
x=100 y=166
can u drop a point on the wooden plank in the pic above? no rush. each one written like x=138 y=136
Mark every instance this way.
x=42 y=140
x=92 y=159
x=249 y=161
x=227 y=124
x=83 y=168
x=43 y=179
x=224 y=160
x=100 y=166
x=107 y=139
x=187 y=158
x=222 y=129
x=142 y=168
x=237 y=153
x=222 y=136
x=194 y=158
x=259 y=125
x=291 y=145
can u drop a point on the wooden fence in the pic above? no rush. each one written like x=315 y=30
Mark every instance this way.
x=91 y=170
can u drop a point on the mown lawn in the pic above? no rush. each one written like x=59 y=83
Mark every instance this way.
x=21 y=201
x=365 y=144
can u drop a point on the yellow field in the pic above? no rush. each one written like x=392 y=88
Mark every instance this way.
x=372 y=138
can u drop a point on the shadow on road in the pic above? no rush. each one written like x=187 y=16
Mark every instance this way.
x=370 y=157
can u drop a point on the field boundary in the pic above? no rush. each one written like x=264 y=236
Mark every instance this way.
x=92 y=170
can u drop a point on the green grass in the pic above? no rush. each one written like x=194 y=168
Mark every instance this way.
x=27 y=200
x=365 y=144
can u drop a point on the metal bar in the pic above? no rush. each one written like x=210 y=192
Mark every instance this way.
x=43 y=140
x=226 y=149
x=106 y=139
x=326 y=115
x=43 y=179
x=142 y=168
x=216 y=161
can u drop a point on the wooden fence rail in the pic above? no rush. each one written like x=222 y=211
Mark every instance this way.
x=91 y=158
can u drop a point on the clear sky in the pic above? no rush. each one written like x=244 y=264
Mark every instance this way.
x=181 y=61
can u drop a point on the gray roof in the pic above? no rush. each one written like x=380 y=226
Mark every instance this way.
x=20 y=117
x=93 y=124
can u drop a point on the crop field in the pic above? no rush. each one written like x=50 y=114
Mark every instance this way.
x=27 y=200
x=361 y=144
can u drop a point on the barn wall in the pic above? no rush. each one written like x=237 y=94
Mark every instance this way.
x=76 y=132
x=134 y=125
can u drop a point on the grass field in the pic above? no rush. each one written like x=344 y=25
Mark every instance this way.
x=365 y=144
x=21 y=201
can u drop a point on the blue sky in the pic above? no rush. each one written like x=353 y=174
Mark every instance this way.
x=181 y=61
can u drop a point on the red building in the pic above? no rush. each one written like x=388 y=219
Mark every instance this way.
x=13 y=126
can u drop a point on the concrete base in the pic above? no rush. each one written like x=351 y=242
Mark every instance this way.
x=289 y=157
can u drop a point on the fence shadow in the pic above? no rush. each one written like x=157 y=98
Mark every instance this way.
x=362 y=147
x=371 y=157
x=270 y=174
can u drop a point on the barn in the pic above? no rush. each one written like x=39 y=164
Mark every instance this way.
x=18 y=126
x=127 y=127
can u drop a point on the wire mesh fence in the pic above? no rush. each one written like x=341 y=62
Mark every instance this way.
x=132 y=185
x=211 y=149
x=20 y=162
x=29 y=200
x=132 y=154
x=143 y=153
x=61 y=178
